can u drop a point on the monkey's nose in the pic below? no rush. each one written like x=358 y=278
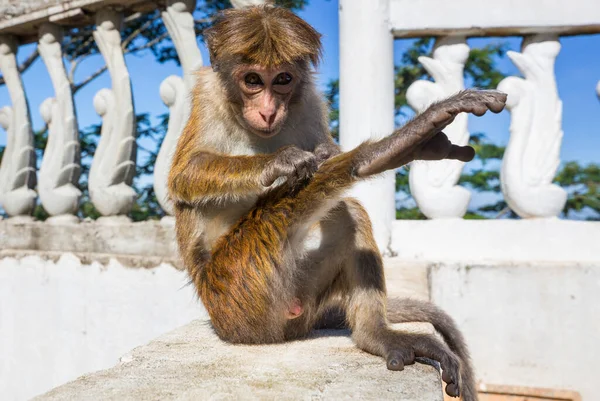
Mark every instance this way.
x=269 y=118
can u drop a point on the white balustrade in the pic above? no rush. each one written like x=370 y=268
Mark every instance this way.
x=433 y=183
x=366 y=112
x=60 y=168
x=175 y=91
x=532 y=155
x=17 y=172
x=113 y=166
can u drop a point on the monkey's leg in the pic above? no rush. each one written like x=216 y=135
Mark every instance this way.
x=420 y=138
x=347 y=269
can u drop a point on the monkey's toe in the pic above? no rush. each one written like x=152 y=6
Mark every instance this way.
x=452 y=390
x=450 y=375
x=395 y=362
x=398 y=358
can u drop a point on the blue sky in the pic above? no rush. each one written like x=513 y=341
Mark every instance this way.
x=577 y=72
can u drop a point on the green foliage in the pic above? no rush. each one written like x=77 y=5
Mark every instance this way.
x=404 y=212
x=481 y=65
x=583 y=185
x=332 y=95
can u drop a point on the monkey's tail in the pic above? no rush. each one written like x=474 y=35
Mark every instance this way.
x=403 y=310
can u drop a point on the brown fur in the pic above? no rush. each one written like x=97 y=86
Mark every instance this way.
x=246 y=207
x=265 y=35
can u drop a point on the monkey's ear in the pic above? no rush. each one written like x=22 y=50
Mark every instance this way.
x=212 y=43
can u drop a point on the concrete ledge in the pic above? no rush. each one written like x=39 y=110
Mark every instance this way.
x=152 y=242
x=145 y=239
x=484 y=241
x=191 y=363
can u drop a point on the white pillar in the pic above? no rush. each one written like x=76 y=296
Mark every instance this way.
x=174 y=91
x=367 y=99
x=113 y=166
x=60 y=168
x=17 y=172
x=433 y=183
x=532 y=154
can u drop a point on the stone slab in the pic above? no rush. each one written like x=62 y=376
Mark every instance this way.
x=191 y=363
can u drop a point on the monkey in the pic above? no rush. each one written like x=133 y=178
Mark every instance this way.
x=270 y=242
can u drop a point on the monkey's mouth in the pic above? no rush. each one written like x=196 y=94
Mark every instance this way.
x=266 y=132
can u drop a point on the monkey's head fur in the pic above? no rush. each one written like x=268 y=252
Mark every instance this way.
x=263 y=55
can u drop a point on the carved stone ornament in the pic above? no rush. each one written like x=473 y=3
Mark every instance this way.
x=113 y=166
x=175 y=91
x=433 y=183
x=60 y=168
x=17 y=172
x=246 y=3
x=532 y=155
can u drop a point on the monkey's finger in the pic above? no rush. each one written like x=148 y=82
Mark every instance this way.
x=462 y=153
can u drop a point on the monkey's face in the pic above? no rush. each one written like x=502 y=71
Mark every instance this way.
x=265 y=95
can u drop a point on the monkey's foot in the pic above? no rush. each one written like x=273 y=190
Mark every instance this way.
x=422 y=138
x=403 y=348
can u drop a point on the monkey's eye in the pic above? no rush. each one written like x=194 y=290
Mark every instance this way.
x=252 y=80
x=282 y=79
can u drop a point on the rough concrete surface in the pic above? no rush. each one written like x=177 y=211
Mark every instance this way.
x=191 y=363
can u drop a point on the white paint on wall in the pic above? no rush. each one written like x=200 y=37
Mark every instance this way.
x=61 y=320
x=534 y=325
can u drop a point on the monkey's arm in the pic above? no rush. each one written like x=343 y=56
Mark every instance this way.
x=206 y=175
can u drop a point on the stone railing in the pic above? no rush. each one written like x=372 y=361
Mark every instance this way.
x=532 y=155
x=529 y=164
x=113 y=165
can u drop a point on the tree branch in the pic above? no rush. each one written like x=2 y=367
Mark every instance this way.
x=133 y=17
x=138 y=31
x=502 y=212
x=154 y=41
x=26 y=64
x=93 y=76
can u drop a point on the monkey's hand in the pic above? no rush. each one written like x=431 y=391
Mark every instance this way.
x=290 y=162
x=325 y=151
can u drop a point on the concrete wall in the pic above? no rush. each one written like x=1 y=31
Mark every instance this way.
x=526 y=294
x=59 y=320
x=527 y=324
